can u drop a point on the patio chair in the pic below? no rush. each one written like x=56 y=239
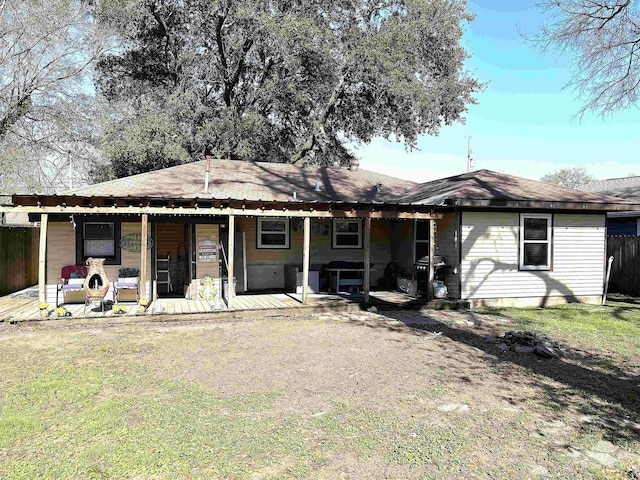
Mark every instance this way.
x=127 y=286
x=70 y=284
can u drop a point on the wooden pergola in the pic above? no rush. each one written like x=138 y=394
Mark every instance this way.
x=45 y=205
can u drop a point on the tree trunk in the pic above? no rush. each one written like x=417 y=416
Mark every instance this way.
x=319 y=124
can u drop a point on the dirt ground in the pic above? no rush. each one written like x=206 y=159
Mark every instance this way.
x=391 y=394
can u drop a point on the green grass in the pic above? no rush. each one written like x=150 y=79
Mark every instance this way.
x=95 y=403
x=117 y=423
x=613 y=329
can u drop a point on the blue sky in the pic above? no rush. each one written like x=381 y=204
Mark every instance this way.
x=525 y=122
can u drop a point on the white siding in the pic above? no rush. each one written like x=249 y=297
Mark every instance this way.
x=490 y=257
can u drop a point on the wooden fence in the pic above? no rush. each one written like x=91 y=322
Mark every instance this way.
x=18 y=258
x=625 y=270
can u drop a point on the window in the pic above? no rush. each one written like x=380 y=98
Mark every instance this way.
x=347 y=233
x=535 y=241
x=273 y=233
x=97 y=238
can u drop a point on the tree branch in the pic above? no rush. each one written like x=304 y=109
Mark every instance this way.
x=231 y=83
x=169 y=41
x=318 y=126
x=15 y=113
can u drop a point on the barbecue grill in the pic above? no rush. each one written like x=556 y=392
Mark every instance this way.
x=422 y=264
x=421 y=271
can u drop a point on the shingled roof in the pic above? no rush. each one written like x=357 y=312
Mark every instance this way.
x=626 y=187
x=495 y=188
x=254 y=181
x=232 y=180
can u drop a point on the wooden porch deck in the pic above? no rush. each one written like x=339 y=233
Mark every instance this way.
x=23 y=305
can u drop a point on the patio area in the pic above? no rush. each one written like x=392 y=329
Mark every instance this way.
x=23 y=305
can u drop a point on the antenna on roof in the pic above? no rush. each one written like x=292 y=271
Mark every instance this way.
x=470 y=162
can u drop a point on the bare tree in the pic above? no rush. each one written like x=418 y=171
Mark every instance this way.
x=47 y=50
x=569 y=177
x=603 y=38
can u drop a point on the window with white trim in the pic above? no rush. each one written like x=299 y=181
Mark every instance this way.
x=535 y=241
x=347 y=233
x=273 y=233
x=99 y=239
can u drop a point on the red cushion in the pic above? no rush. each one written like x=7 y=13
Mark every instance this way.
x=79 y=270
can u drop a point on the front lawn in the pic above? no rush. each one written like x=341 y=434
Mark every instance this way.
x=360 y=395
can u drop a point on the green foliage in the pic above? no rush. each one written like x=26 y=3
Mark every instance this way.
x=151 y=142
x=287 y=81
x=569 y=177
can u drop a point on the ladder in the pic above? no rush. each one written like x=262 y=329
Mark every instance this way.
x=163 y=273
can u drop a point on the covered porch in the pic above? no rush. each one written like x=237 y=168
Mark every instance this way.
x=138 y=222
x=24 y=305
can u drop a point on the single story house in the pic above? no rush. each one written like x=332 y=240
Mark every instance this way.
x=491 y=238
x=626 y=188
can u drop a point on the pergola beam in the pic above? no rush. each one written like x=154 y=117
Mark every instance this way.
x=42 y=260
x=367 y=258
x=305 y=259
x=432 y=248
x=129 y=210
x=230 y=260
x=143 y=256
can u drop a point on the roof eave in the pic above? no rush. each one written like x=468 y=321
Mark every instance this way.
x=545 y=204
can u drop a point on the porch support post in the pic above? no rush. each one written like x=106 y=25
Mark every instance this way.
x=305 y=259
x=367 y=257
x=143 y=256
x=432 y=247
x=230 y=253
x=42 y=259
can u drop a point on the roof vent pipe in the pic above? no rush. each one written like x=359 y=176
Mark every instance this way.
x=354 y=163
x=206 y=173
x=317 y=187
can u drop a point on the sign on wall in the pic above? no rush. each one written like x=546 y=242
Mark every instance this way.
x=207 y=250
x=131 y=242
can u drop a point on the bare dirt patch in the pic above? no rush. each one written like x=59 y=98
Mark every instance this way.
x=389 y=395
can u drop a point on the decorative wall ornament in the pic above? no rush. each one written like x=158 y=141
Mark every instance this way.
x=131 y=242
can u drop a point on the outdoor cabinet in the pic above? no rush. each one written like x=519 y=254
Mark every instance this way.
x=293 y=279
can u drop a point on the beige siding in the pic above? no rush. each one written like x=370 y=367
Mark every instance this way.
x=402 y=244
x=266 y=265
x=61 y=251
x=490 y=257
x=130 y=259
x=170 y=239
